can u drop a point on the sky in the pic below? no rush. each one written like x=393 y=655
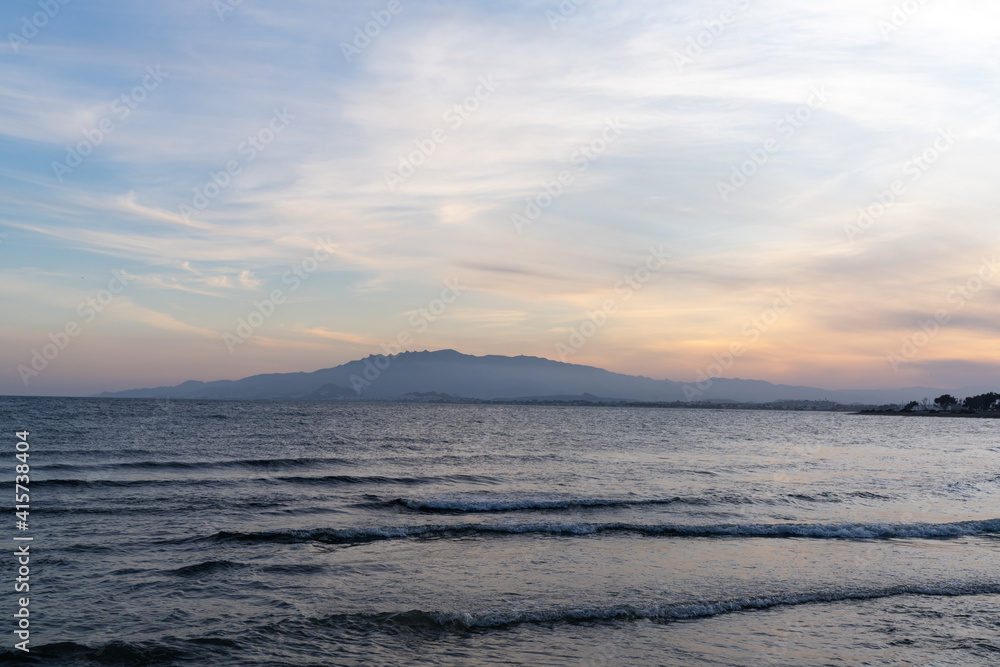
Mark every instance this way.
x=803 y=193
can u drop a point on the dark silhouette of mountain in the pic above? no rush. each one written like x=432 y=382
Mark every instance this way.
x=447 y=372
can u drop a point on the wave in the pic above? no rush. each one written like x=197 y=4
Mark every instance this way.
x=486 y=504
x=207 y=567
x=323 y=480
x=378 y=479
x=115 y=652
x=100 y=483
x=838 y=531
x=832 y=497
x=198 y=649
x=170 y=506
x=253 y=464
x=122 y=482
x=418 y=619
x=481 y=503
x=222 y=566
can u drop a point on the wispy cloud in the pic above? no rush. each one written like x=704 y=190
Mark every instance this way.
x=684 y=130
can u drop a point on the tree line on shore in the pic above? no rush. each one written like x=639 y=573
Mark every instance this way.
x=981 y=403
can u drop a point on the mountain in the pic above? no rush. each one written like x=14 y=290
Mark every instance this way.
x=499 y=377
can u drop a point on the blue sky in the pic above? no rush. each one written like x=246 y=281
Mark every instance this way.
x=648 y=110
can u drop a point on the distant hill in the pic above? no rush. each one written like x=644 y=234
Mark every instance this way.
x=499 y=377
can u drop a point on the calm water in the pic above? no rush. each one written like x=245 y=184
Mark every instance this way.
x=187 y=532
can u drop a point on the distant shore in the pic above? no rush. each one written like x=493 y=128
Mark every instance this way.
x=931 y=413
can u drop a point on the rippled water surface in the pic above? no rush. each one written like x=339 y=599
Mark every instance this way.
x=231 y=533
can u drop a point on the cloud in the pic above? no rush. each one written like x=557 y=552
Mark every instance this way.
x=551 y=92
x=340 y=336
x=128 y=311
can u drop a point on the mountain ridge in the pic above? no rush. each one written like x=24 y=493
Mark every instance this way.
x=499 y=377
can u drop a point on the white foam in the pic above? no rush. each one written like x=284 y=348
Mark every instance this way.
x=681 y=611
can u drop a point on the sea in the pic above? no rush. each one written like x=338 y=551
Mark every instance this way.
x=173 y=532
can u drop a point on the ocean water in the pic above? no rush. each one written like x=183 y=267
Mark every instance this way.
x=234 y=533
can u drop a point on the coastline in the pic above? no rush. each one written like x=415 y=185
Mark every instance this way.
x=930 y=413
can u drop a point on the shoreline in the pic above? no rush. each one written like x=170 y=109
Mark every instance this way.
x=930 y=413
